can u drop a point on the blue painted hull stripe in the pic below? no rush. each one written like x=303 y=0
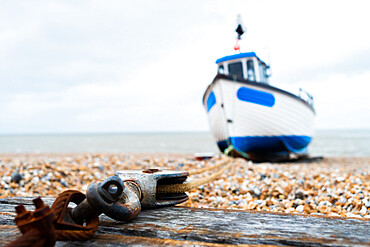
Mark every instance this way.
x=211 y=101
x=255 y=96
x=269 y=144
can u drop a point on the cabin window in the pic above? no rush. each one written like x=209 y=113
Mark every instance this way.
x=221 y=69
x=263 y=73
x=236 y=69
x=250 y=70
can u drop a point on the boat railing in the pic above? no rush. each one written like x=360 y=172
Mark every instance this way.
x=304 y=95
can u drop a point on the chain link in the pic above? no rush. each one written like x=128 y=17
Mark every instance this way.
x=66 y=231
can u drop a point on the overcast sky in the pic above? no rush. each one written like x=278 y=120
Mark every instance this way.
x=133 y=66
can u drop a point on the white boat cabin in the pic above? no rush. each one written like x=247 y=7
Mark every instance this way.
x=245 y=66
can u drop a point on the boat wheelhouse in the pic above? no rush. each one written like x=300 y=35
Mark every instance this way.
x=245 y=66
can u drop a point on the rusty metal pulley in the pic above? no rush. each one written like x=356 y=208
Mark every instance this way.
x=149 y=183
x=122 y=196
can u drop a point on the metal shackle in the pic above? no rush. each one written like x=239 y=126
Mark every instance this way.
x=115 y=199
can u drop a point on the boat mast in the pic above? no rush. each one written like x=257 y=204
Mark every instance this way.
x=240 y=31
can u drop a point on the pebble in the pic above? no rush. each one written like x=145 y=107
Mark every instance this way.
x=257 y=191
x=366 y=202
x=363 y=210
x=299 y=195
x=333 y=187
x=16 y=177
x=300 y=208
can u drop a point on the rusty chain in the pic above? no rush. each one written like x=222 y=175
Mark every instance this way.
x=71 y=231
x=44 y=226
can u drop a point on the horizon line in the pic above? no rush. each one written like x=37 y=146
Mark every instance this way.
x=149 y=132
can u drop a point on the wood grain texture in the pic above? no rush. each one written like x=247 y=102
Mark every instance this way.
x=179 y=226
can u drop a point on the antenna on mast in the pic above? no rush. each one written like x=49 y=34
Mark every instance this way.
x=240 y=31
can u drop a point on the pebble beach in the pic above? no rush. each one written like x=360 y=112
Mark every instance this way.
x=332 y=186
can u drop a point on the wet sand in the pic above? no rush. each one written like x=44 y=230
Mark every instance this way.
x=332 y=186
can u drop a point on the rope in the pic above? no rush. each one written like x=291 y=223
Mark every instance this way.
x=59 y=202
x=199 y=171
x=181 y=188
x=64 y=234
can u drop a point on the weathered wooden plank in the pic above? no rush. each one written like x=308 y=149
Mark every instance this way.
x=178 y=226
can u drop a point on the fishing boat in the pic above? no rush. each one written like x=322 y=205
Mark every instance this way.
x=250 y=118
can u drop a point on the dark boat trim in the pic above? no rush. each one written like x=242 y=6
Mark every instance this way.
x=257 y=84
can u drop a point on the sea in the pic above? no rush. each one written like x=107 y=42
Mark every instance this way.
x=340 y=143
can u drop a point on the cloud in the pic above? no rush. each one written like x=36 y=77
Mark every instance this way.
x=93 y=66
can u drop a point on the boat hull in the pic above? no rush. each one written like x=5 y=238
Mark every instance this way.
x=256 y=120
